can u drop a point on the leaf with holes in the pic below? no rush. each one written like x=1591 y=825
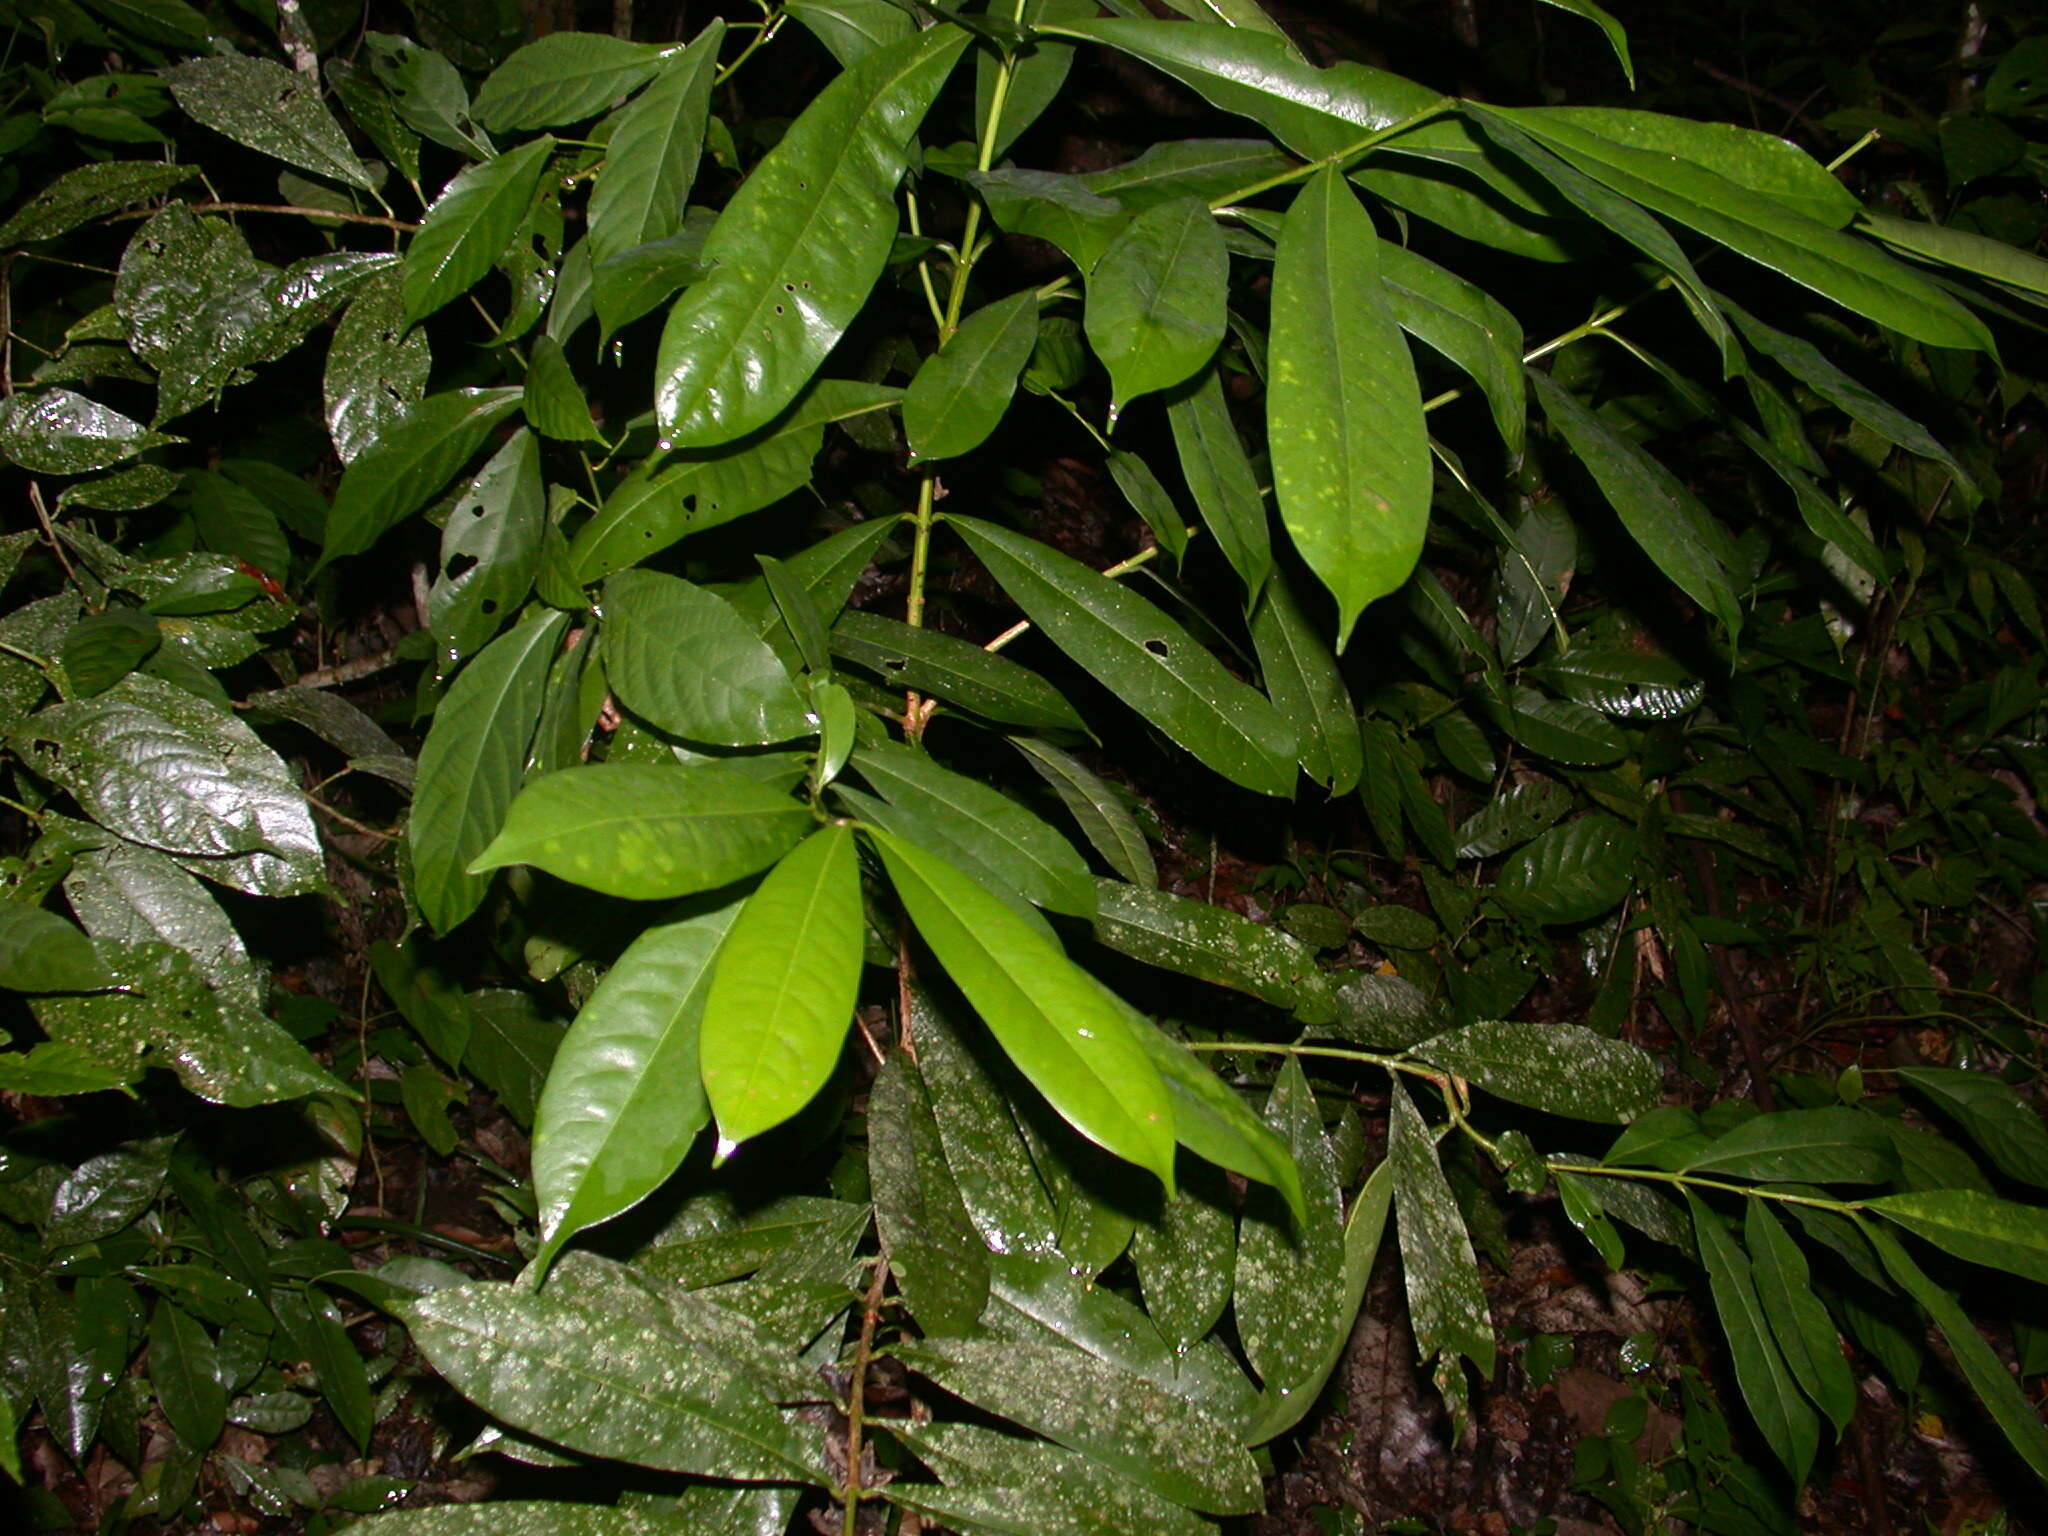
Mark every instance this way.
x=399 y=470
x=490 y=550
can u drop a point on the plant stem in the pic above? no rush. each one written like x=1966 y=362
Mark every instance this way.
x=760 y=39
x=1348 y=152
x=377 y=219
x=856 y=1396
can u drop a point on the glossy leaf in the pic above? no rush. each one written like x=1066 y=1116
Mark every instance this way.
x=934 y=1252
x=853 y=29
x=682 y=659
x=1570 y=873
x=1317 y=113
x=1302 y=679
x=1465 y=324
x=1974 y=1226
x=1221 y=479
x=1799 y=1323
x=1344 y=413
x=1818 y=1146
x=183 y=1370
x=1055 y=1022
x=1787 y=1420
x=1005 y=838
x=58 y=432
x=472 y=220
x=400 y=470
x=654 y=508
x=472 y=763
x=1660 y=513
x=1144 y=657
x=1104 y=820
x=376 y=367
x=644 y=832
x=1211 y=1121
x=1213 y=944
x=1836 y=265
x=651 y=159
x=1961 y=249
x=1562 y=1068
x=1160 y=1441
x=604 y=1382
x=1156 y=299
x=796 y=251
x=782 y=989
x=269 y=108
x=554 y=401
x=563 y=77
x=1446 y=1304
x=314 y=1325
x=958 y=671
x=961 y=391
x=1617 y=37
x=1757 y=162
x=135 y=895
x=490 y=550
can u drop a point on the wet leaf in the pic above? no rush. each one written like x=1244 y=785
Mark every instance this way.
x=376 y=367
x=564 y=77
x=1570 y=873
x=58 y=432
x=271 y=109
x=182 y=1369
x=135 y=895
x=1445 y=1300
x=1156 y=299
x=490 y=550
x=1212 y=944
x=933 y=1249
x=1562 y=1068
x=684 y=660
x=87 y=192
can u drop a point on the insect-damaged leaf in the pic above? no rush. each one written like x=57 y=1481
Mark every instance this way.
x=1344 y=414
x=782 y=988
x=269 y=108
x=796 y=251
x=398 y=471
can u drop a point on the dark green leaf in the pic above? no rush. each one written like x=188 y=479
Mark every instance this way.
x=314 y=1325
x=646 y=832
x=796 y=251
x=135 y=895
x=957 y=671
x=399 y=470
x=1562 y=1068
x=555 y=403
x=1468 y=326
x=57 y=432
x=1220 y=478
x=1997 y=1118
x=472 y=762
x=1974 y=1226
x=1145 y=657
x=269 y=108
x=564 y=77
x=961 y=391
x=651 y=159
x=1785 y=1417
x=490 y=550
x=1000 y=1484
x=1290 y=1287
x=376 y=367
x=1818 y=1146
x=1156 y=299
x=469 y=224
x=852 y=29
x=1186 y=1259
x=1805 y=1335
x=682 y=659
x=934 y=1251
x=86 y=193
x=1302 y=679
x=1571 y=873
x=1212 y=943
x=182 y=1368
x=1109 y=827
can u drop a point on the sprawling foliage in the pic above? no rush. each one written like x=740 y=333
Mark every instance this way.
x=781 y=736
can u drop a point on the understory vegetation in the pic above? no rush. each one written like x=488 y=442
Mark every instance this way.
x=1055 y=767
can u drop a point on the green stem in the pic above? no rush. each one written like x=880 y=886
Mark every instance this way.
x=1349 y=152
x=1592 y=327
x=759 y=40
x=1854 y=150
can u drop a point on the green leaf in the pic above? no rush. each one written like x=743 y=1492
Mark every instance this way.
x=651 y=159
x=1038 y=70
x=1788 y=1422
x=1571 y=873
x=1067 y=1035
x=1660 y=513
x=84 y=194
x=555 y=403
x=798 y=247
x=170 y=770
x=1302 y=679
x=1836 y=265
x=1221 y=479
x=370 y=108
x=428 y=93
x=1798 y=1321
x=1981 y=1367
x=1290 y=1273
x=645 y=832
x=1143 y=656
x=1996 y=1117
x=314 y=1325
x=135 y=895
x=782 y=990
x=962 y=390
x=1363 y=1231
x=1816 y=1146
x=1344 y=414
x=547 y=1517
x=1979 y=255
x=1214 y=944
x=1156 y=299
x=958 y=671
x=1054 y=208
x=271 y=109
x=490 y=550
x=511 y=1045
x=1617 y=36
x=57 y=432
x=376 y=368
x=1003 y=837
x=1158 y=1440
x=604 y=1382
x=624 y=1099
x=1561 y=1068
x=1445 y=1301
x=653 y=509
x=684 y=660
x=1186 y=1258
x=102 y=648
x=1974 y=1226
x=402 y=468
x=564 y=77
x=1756 y=162
x=471 y=765
x=1141 y=488
x=999 y=1483
x=1109 y=827
x=1211 y=1121
x=185 y=1372
x=1468 y=326
x=934 y=1252
x=469 y=224
x=853 y=29
x=232 y=519
x=1557 y=728
x=52 y=1070
x=1317 y=113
